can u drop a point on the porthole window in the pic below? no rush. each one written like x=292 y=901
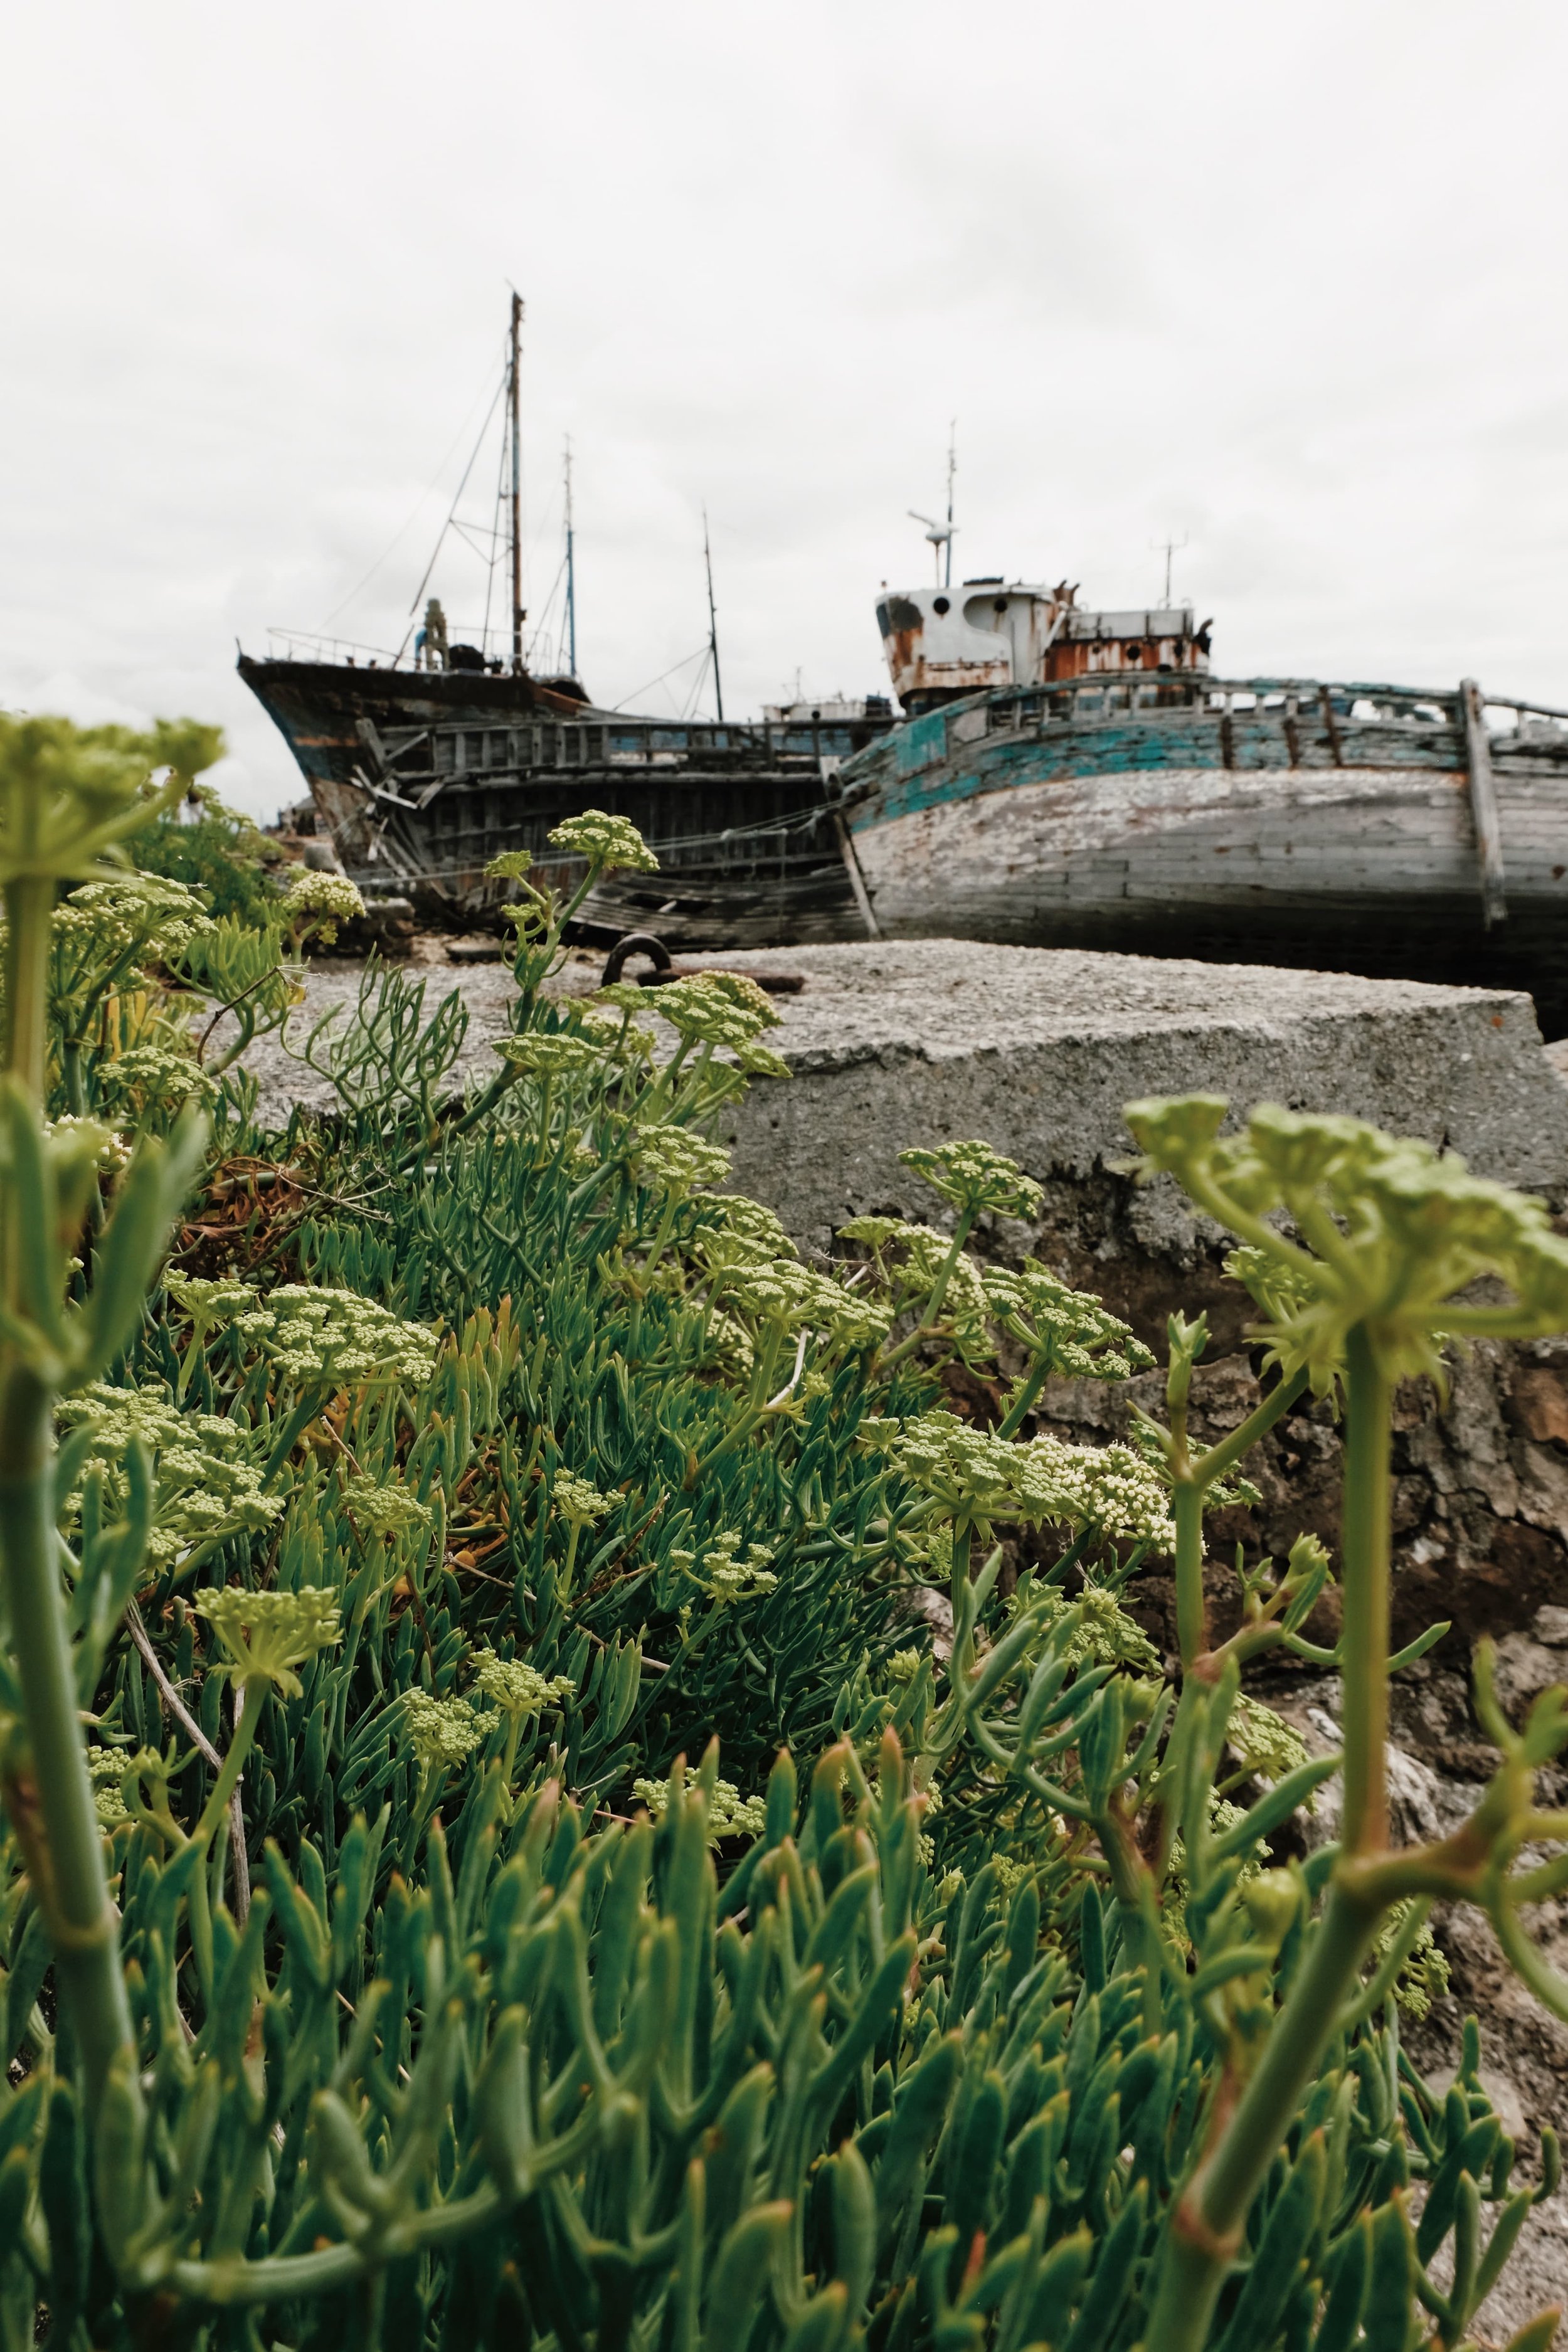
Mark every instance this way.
x=999 y=604
x=940 y=605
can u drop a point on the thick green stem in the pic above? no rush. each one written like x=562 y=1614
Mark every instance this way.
x=1192 y=1610
x=1030 y=1389
x=56 y=1819
x=252 y=1696
x=1208 y=2226
x=933 y=1304
x=1187 y=1499
x=58 y=1824
x=1227 y=1452
x=1365 y=1566
x=29 y=900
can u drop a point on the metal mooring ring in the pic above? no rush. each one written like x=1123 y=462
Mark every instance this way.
x=634 y=943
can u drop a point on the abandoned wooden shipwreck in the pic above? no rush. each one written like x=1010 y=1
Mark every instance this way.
x=1116 y=794
x=420 y=779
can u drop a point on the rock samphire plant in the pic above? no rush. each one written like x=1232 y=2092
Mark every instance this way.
x=376 y=1972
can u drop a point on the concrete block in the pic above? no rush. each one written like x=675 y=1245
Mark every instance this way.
x=1037 y=1049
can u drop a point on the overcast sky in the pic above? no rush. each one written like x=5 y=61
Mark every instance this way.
x=1282 y=281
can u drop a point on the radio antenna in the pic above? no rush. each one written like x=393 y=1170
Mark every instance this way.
x=1168 y=548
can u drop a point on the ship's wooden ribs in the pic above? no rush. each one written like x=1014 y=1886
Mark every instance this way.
x=1483 y=806
x=1332 y=726
x=857 y=879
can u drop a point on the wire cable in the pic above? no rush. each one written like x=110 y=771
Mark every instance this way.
x=457 y=439
x=446 y=526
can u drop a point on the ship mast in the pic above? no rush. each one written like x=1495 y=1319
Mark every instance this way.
x=571 y=573
x=514 y=399
x=713 y=621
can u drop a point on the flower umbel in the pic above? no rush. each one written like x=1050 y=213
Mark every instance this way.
x=1394 y=1233
x=265 y=1636
x=974 y=1178
x=606 y=841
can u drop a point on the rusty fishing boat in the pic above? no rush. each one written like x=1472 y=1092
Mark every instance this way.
x=1072 y=777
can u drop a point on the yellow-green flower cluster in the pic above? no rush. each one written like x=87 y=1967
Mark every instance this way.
x=782 y=1292
x=205 y=1489
x=143 y=917
x=1264 y=1741
x=716 y=1572
x=622 y=1038
x=729 y=1813
x=579 y=1503
x=734 y=1230
x=106 y=1768
x=69 y=795
x=385 y=1510
x=674 y=1163
x=207 y=1302
x=155 y=1074
x=1104 y=1634
x=442 y=1732
x=547 y=1054
x=606 y=841
x=1422 y=1976
x=964 y=1309
x=265 y=1636
x=322 y=901
x=1108 y=1490
x=1394 y=1231
x=1081 y=1338
x=313 y=1336
x=712 y=1008
x=974 y=1178
x=516 y=1688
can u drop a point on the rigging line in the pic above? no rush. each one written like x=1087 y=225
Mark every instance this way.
x=457 y=439
x=456 y=494
x=549 y=605
x=473 y=537
x=700 y=655
x=698 y=683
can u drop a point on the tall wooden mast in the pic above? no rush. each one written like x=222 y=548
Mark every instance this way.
x=712 y=619
x=513 y=394
x=571 y=573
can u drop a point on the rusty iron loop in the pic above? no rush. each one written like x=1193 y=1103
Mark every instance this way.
x=634 y=943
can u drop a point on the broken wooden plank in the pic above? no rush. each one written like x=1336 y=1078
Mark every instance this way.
x=1484 y=807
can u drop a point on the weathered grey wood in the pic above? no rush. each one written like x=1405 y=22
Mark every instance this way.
x=857 y=879
x=1484 y=807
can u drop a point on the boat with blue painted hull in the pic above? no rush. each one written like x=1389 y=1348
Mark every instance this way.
x=1123 y=797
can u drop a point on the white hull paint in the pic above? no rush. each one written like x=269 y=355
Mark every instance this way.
x=1202 y=836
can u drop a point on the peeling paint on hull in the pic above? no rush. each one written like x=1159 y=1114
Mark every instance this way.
x=1197 y=836
x=1338 y=844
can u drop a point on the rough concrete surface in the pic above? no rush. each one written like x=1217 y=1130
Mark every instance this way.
x=1038 y=1050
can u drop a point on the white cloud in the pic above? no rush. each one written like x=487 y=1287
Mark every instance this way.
x=1281 y=280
